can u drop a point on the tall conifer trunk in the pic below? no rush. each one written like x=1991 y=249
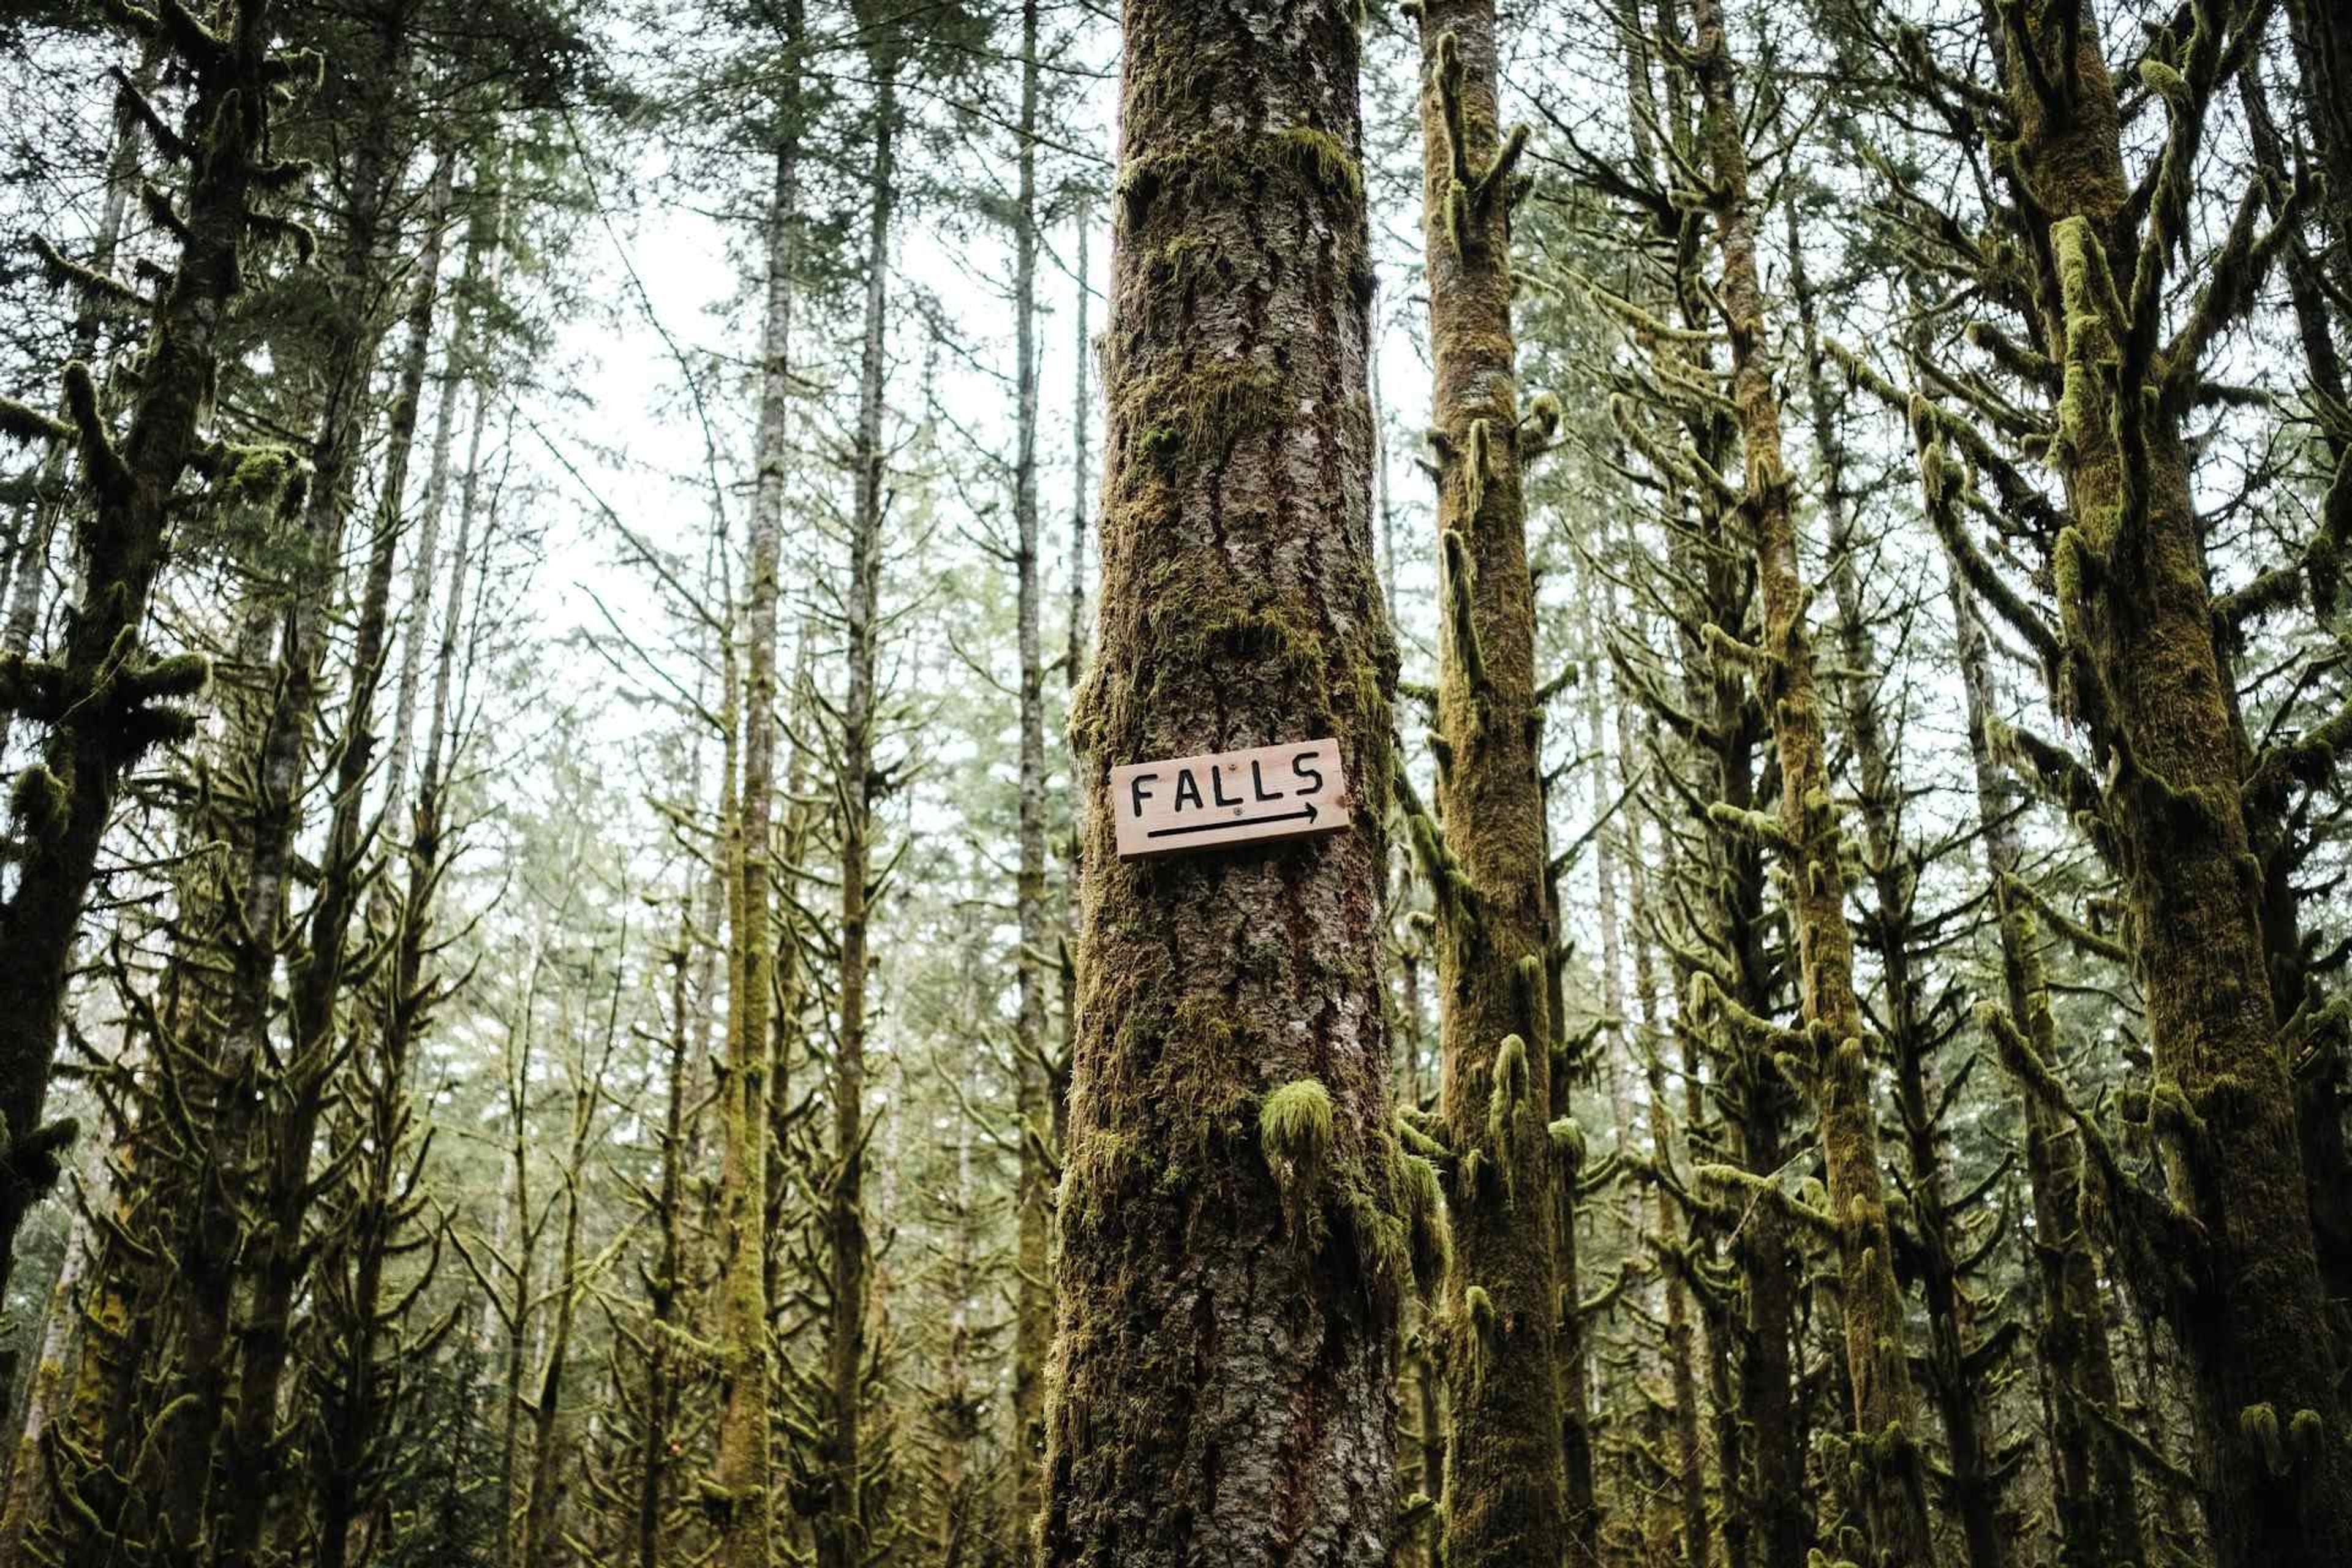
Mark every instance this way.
x=2091 y=1482
x=841 y=1520
x=1506 y=1489
x=105 y=703
x=1233 y=1249
x=743 y=1475
x=1831 y=1043
x=1033 y=1308
x=1957 y=1385
x=2142 y=671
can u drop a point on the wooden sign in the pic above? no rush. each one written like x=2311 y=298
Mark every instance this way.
x=1230 y=797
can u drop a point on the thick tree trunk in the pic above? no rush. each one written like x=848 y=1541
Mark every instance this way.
x=1507 y=1496
x=1234 y=1241
x=2140 y=639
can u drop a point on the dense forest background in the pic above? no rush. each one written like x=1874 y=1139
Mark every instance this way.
x=551 y=553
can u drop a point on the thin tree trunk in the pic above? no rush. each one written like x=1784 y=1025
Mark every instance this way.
x=538 y=1544
x=357 y=1416
x=477 y=279
x=38 y=523
x=26 y=1483
x=1033 y=1328
x=1689 y=1455
x=743 y=1478
x=1957 y=1382
x=2090 y=1480
x=1885 y=1440
x=278 y=1255
x=840 y=1524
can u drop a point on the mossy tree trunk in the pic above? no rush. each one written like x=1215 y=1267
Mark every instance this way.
x=2093 y=1497
x=27 y=1487
x=1506 y=1489
x=26 y=570
x=103 y=703
x=667 y=1285
x=1667 y=1240
x=2322 y=37
x=238 y=1253
x=550 y=1451
x=2278 y=826
x=368 y=1222
x=1235 y=1216
x=276 y=1157
x=743 y=1475
x=1742 y=1262
x=2142 y=669
x=1964 y=1356
x=1831 y=1043
x=832 y=1488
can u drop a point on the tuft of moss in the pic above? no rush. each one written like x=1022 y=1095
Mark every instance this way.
x=1294 y=1131
x=1319 y=156
x=256 y=476
x=39 y=799
x=2259 y=1425
x=2164 y=81
x=2305 y=1434
x=1567 y=1148
x=1428 y=1236
x=1238 y=163
x=180 y=675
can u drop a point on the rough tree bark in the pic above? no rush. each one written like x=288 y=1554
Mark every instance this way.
x=2141 y=668
x=1236 y=1221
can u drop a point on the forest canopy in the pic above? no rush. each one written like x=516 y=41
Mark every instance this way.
x=613 y=619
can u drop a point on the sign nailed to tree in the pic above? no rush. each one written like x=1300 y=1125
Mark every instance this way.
x=1229 y=797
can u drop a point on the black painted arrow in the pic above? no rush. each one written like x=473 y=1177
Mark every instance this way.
x=1308 y=812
